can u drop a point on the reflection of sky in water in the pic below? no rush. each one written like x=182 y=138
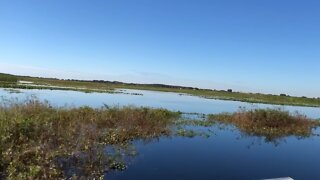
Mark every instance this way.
x=166 y=100
x=226 y=154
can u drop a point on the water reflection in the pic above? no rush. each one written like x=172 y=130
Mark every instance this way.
x=226 y=155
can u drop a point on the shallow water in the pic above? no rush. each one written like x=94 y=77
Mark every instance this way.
x=171 y=101
x=226 y=154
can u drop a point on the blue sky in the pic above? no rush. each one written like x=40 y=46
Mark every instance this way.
x=269 y=46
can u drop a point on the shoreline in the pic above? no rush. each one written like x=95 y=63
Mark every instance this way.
x=24 y=82
x=118 y=91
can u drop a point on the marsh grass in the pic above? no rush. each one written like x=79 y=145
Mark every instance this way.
x=40 y=141
x=269 y=123
x=190 y=133
x=195 y=122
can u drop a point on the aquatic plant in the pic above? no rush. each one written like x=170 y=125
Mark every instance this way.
x=186 y=133
x=269 y=123
x=38 y=140
x=191 y=133
x=195 y=122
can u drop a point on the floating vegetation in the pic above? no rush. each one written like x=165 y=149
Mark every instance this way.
x=195 y=122
x=191 y=133
x=192 y=116
x=186 y=133
x=269 y=123
x=118 y=166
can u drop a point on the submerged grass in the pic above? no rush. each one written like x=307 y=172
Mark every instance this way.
x=40 y=141
x=190 y=133
x=269 y=123
x=195 y=122
x=13 y=91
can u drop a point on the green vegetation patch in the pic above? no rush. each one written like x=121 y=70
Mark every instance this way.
x=7 y=78
x=195 y=122
x=41 y=141
x=189 y=133
x=269 y=123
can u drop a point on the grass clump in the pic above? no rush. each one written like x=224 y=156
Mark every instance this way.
x=269 y=123
x=195 y=122
x=189 y=133
x=186 y=133
x=38 y=141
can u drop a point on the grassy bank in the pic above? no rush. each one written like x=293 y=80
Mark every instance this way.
x=206 y=93
x=40 y=141
x=269 y=123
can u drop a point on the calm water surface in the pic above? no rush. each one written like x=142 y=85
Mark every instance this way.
x=171 y=101
x=227 y=154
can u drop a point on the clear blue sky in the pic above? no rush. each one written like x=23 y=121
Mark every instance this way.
x=270 y=46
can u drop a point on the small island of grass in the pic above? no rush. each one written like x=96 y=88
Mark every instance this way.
x=269 y=123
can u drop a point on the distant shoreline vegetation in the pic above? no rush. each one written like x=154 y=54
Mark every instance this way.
x=8 y=78
x=11 y=81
